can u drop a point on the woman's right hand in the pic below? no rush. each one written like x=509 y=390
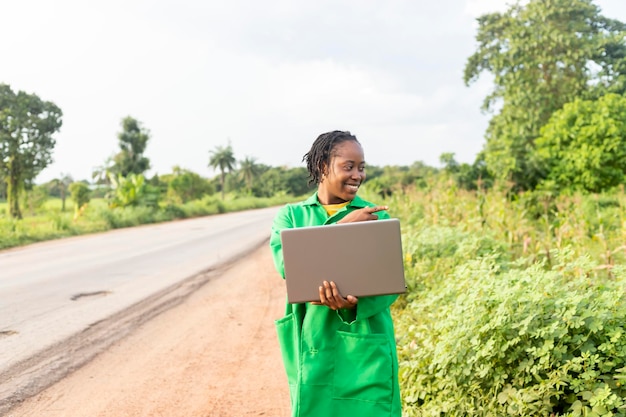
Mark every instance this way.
x=362 y=215
x=332 y=298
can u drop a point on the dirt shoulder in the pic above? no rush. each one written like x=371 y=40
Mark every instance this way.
x=216 y=354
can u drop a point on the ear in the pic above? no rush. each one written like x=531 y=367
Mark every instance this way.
x=324 y=171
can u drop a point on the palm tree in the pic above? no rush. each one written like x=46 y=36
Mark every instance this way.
x=100 y=174
x=248 y=169
x=222 y=158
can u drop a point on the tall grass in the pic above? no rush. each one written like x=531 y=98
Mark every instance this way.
x=530 y=225
x=516 y=303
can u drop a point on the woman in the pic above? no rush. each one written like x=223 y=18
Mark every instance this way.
x=339 y=353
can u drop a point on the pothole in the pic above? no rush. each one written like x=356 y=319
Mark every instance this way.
x=7 y=333
x=89 y=295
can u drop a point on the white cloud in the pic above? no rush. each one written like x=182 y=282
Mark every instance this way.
x=479 y=7
x=270 y=79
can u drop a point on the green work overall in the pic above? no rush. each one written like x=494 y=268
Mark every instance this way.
x=338 y=363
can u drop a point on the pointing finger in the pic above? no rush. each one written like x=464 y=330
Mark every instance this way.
x=377 y=208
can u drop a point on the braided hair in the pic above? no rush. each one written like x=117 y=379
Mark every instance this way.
x=321 y=152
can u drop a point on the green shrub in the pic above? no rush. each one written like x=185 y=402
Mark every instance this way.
x=174 y=211
x=522 y=342
x=216 y=205
x=127 y=216
x=81 y=194
x=34 y=199
x=132 y=190
x=186 y=185
x=197 y=208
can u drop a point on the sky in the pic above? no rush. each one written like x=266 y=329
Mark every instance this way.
x=266 y=77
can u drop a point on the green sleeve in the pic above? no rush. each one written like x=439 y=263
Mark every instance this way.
x=367 y=307
x=283 y=220
x=370 y=306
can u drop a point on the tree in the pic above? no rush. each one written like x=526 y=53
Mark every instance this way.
x=272 y=182
x=542 y=55
x=3 y=188
x=186 y=185
x=81 y=195
x=133 y=140
x=59 y=186
x=450 y=164
x=222 y=158
x=248 y=170
x=296 y=181
x=584 y=145
x=466 y=176
x=27 y=126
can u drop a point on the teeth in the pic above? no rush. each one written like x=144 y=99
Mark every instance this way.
x=352 y=187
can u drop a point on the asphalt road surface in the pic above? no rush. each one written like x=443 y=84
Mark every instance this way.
x=63 y=302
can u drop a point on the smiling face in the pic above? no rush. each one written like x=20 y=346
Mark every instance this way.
x=344 y=175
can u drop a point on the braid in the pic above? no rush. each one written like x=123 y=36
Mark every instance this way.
x=319 y=156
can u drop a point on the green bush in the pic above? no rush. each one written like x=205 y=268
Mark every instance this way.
x=128 y=216
x=174 y=211
x=216 y=205
x=34 y=199
x=204 y=207
x=81 y=194
x=492 y=341
x=185 y=185
x=132 y=190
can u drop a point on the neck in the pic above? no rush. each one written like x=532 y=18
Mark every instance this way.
x=324 y=198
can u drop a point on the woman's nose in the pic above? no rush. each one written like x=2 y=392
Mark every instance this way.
x=357 y=175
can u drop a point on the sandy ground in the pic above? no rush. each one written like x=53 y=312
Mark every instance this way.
x=216 y=354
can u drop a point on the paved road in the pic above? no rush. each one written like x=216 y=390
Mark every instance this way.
x=57 y=298
x=214 y=355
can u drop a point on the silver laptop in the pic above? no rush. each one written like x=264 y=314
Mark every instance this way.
x=362 y=258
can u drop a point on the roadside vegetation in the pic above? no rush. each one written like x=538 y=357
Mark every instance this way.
x=50 y=222
x=515 y=305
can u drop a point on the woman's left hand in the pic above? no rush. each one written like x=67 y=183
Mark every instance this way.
x=332 y=298
x=363 y=214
